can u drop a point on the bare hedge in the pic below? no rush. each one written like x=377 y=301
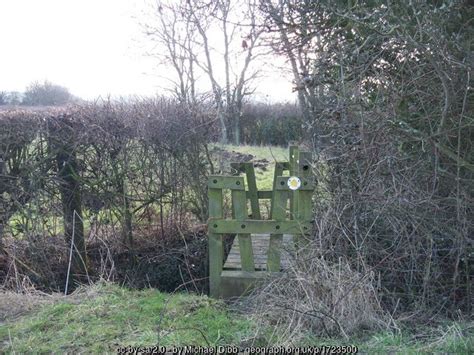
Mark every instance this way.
x=108 y=166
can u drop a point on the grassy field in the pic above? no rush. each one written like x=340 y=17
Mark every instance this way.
x=272 y=154
x=104 y=317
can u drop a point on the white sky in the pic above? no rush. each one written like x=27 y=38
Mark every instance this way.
x=93 y=47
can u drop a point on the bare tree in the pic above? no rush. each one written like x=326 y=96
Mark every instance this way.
x=3 y=98
x=174 y=38
x=213 y=39
x=46 y=94
x=290 y=32
x=386 y=87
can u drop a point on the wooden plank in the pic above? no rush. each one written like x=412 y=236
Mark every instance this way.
x=253 y=192
x=279 y=214
x=282 y=184
x=278 y=172
x=239 y=201
x=260 y=244
x=229 y=226
x=216 y=248
x=294 y=152
x=305 y=211
x=226 y=182
x=294 y=156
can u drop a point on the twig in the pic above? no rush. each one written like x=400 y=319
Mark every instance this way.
x=70 y=253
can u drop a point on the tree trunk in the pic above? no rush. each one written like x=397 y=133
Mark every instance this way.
x=236 y=122
x=70 y=190
x=221 y=115
x=127 y=232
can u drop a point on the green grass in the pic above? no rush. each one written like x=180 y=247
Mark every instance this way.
x=120 y=317
x=450 y=338
x=116 y=317
x=261 y=152
x=105 y=316
x=50 y=224
x=447 y=338
x=263 y=176
x=272 y=154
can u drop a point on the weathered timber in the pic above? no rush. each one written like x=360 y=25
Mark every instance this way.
x=250 y=226
x=253 y=192
x=226 y=182
x=216 y=248
x=260 y=244
x=70 y=191
x=262 y=194
x=279 y=168
x=262 y=248
x=239 y=201
x=280 y=201
x=282 y=184
x=236 y=283
x=305 y=197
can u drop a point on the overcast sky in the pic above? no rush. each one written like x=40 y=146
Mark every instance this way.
x=93 y=47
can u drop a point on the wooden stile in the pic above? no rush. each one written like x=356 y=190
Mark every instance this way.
x=260 y=246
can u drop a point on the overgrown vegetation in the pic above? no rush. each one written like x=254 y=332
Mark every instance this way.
x=131 y=179
x=104 y=317
x=110 y=167
x=385 y=103
x=385 y=96
x=271 y=124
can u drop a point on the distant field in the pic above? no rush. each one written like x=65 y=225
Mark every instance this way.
x=272 y=154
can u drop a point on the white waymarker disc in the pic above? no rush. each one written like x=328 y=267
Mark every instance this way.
x=294 y=183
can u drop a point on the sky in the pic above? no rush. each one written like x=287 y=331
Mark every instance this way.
x=92 y=47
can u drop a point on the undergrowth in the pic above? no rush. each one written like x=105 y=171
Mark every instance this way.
x=105 y=316
x=108 y=316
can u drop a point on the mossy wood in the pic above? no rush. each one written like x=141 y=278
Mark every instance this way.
x=262 y=247
x=280 y=226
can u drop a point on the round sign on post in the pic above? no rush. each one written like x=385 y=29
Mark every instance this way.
x=294 y=183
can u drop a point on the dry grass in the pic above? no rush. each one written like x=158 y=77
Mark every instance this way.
x=318 y=297
x=15 y=304
x=100 y=318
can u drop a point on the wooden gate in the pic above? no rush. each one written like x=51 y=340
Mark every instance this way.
x=261 y=246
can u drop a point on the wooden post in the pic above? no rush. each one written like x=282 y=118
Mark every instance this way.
x=279 y=167
x=70 y=190
x=253 y=192
x=279 y=213
x=294 y=171
x=239 y=202
x=305 y=208
x=216 y=248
